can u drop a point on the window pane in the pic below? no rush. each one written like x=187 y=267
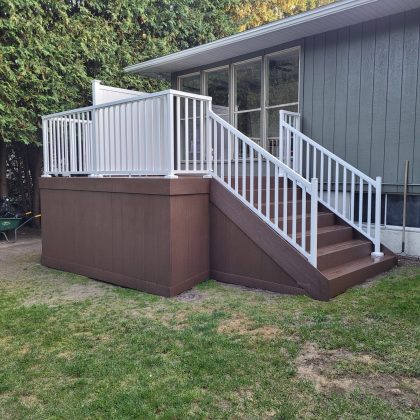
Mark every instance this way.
x=190 y=84
x=218 y=87
x=249 y=124
x=283 y=78
x=395 y=207
x=273 y=119
x=248 y=86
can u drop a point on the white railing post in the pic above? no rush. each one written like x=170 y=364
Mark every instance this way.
x=93 y=147
x=208 y=139
x=281 y=136
x=170 y=136
x=46 y=148
x=377 y=239
x=314 y=223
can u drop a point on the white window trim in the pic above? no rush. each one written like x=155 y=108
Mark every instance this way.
x=184 y=76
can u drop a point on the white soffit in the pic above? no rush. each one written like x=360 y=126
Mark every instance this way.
x=336 y=15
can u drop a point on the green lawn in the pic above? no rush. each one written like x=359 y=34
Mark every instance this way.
x=71 y=347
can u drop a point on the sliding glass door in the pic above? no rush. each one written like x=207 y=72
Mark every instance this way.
x=250 y=94
x=216 y=82
x=247 y=84
x=282 y=92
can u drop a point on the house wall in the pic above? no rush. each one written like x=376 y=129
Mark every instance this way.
x=361 y=96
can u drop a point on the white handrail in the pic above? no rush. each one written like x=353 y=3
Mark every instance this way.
x=310 y=159
x=267 y=186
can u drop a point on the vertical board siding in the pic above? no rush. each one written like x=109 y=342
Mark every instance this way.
x=341 y=92
x=366 y=96
x=361 y=96
x=318 y=86
x=353 y=87
x=394 y=102
x=308 y=80
x=380 y=103
x=329 y=83
x=408 y=94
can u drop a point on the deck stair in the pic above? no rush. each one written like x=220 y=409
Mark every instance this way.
x=313 y=218
x=344 y=255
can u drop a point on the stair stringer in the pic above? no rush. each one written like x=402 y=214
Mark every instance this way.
x=300 y=275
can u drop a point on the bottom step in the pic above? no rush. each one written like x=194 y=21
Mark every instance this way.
x=355 y=272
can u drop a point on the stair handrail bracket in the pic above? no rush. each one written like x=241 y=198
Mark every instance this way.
x=268 y=187
x=342 y=188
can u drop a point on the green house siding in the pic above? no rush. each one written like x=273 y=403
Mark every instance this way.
x=361 y=95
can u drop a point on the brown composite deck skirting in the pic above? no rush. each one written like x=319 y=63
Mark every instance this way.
x=265 y=261
x=150 y=234
x=164 y=236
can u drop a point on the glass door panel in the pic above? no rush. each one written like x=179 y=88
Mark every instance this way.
x=217 y=86
x=282 y=92
x=283 y=78
x=190 y=83
x=247 y=98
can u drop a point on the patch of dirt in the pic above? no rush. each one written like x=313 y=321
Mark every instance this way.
x=243 y=326
x=62 y=292
x=317 y=366
x=169 y=317
x=250 y=289
x=190 y=296
x=408 y=261
x=29 y=401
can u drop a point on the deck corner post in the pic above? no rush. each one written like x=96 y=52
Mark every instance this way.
x=46 y=149
x=170 y=166
x=208 y=139
x=314 y=223
x=377 y=235
x=93 y=148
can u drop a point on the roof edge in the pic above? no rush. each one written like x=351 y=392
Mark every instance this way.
x=329 y=9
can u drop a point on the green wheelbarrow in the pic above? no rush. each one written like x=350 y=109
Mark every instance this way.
x=8 y=224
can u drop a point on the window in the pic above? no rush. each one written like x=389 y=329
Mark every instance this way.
x=395 y=207
x=282 y=92
x=250 y=94
x=247 y=98
x=217 y=86
x=190 y=83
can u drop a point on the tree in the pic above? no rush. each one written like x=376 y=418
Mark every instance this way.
x=251 y=13
x=51 y=50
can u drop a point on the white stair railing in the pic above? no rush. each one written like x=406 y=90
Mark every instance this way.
x=253 y=175
x=172 y=132
x=157 y=134
x=343 y=189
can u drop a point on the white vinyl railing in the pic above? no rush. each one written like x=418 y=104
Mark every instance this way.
x=172 y=132
x=253 y=175
x=159 y=134
x=343 y=189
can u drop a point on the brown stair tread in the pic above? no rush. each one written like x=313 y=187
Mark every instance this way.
x=341 y=246
x=299 y=216
x=332 y=228
x=353 y=266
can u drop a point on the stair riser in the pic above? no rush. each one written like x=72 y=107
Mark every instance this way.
x=272 y=194
x=344 y=256
x=289 y=208
x=340 y=284
x=330 y=238
x=248 y=181
x=323 y=220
